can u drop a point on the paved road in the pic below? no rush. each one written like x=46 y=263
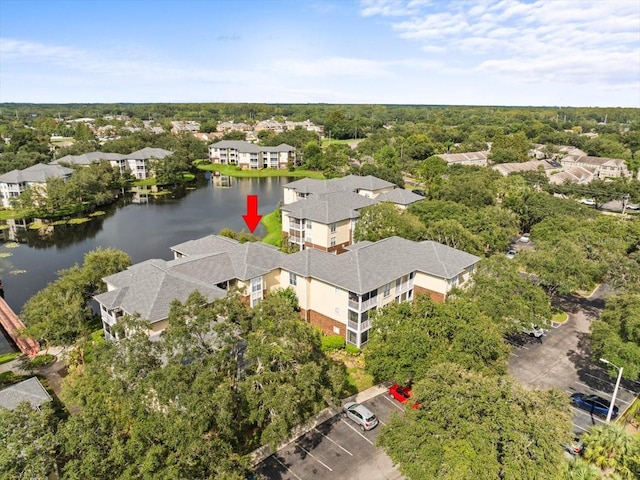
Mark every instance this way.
x=563 y=360
x=336 y=449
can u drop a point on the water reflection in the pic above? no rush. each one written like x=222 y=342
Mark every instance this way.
x=144 y=230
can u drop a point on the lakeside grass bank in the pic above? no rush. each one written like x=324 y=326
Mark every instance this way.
x=273 y=224
x=234 y=171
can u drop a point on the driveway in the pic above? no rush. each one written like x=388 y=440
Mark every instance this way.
x=563 y=360
x=336 y=449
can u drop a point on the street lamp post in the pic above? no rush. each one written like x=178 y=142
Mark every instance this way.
x=615 y=390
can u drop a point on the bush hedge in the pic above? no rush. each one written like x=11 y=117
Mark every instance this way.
x=332 y=342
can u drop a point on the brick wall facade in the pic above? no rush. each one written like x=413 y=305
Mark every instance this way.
x=339 y=248
x=435 y=296
x=325 y=323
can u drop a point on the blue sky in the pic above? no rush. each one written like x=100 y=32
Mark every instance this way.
x=489 y=52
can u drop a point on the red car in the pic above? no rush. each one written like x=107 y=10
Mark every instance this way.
x=401 y=394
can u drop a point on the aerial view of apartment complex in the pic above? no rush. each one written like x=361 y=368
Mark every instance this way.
x=338 y=283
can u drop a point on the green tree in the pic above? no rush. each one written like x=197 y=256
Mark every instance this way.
x=578 y=469
x=613 y=450
x=561 y=266
x=406 y=340
x=385 y=220
x=83 y=133
x=616 y=334
x=510 y=300
x=288 y=378
x=29 y=445
x=471 y=425
x=60 y=314
x=431 y=170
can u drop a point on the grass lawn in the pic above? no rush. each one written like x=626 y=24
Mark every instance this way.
x=559 y=317
x=358 y=379
x=273 y=225
x=330 y=141
x=233 y=171
x=7 y=357
x=148 y=182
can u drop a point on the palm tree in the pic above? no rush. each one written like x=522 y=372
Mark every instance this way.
x=614 y=450
x=578 y=469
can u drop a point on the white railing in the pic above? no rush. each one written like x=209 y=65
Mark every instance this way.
x=362 y=306
x=366 y=325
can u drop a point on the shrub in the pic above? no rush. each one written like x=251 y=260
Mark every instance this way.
x=353 y=350
x=41 y=360
x=332 y=342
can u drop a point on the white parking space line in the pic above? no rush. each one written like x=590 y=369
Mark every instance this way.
x=382 y=422
x=514 y=354
x=356 y=430
x=581 y=428
x=290 y=471
x=605 y=395
x=314 y=457
x=394 y=403
x=630 y=392
x=335 y=443
x=593 y=417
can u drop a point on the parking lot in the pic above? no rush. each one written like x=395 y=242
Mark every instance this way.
x=562 y=359
x=336 y=449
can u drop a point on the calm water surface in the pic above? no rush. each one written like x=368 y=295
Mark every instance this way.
x=144 y=231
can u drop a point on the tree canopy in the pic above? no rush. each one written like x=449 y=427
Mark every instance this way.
x=472 y=425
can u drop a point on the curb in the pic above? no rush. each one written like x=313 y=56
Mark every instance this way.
x=262 y=453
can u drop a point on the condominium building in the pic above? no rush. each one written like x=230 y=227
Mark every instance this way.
x=249 y=156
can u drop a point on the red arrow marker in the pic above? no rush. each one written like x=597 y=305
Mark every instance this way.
x=252 y=219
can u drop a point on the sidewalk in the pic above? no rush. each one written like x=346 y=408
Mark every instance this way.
x=260 y=454
x=51 y=372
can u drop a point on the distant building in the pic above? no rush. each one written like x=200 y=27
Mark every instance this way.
x=137 y=163
x=322 y=214
x=530 y=166
x=13 y=183
x=479 y=159
x=184 y=127
x=252 y=157
x=603 y=167
x=579 y=175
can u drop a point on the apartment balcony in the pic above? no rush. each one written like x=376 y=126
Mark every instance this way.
x=360 y=306
x=359 y=327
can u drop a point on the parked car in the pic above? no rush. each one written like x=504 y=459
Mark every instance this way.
x=593 y=404
x=588 y=201
x=575 y=447
x=633 y=207
x=401 y=394
x=524 y=238
x=417 y=191
x=511 y=254
x=533 y=330
x=360 y=415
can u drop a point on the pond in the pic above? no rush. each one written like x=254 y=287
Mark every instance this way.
x=143 y=226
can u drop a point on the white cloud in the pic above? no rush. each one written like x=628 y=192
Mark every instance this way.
x=390 y=8
x=577 y=42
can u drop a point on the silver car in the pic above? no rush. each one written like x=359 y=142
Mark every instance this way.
x=360 y=415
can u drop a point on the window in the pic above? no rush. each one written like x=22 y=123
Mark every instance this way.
x=333 y=241
x=336 y=330
x=387 y=289
x=293 y=279
x=411 y=275
x=364 y=337
x=256 y=285
x=352 y=337
x=333 y=227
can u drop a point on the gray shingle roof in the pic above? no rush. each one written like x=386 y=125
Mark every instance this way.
x=329 y=208
x=148 y=152
x=148 y=288
x=351 y=183
x=237 y=260
x=366 y=267
x=399 y=196
x=36 y=174
x=88 y=158
x=29 y=390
